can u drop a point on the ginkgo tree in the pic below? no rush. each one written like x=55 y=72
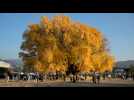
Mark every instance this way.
x=55 y=44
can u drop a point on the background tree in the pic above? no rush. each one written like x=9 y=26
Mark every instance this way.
x=57 y=43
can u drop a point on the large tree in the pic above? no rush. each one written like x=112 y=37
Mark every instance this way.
x=57 y=43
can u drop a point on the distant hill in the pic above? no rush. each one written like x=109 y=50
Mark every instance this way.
x=124 y=64
x=15 y=63
x=119 y=64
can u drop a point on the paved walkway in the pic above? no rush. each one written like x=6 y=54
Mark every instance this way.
x=61 y=83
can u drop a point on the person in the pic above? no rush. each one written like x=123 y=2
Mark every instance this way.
x=103 y=76
x=77 y=78
x=49 y=76
x=64 y=76
x=45 y=76
x=37 y=76
x=20 y=75
x=28 y=76
x=133 y=76
x=34 y=76
x=7 y=77
x=94 y=78
x=25 y=77
x=56 y=75
x=120 y=75
x=124 y=75
x=71 y=77
x=74 y=78
x=98 y=78
x=109 y=76
x=85 y=76
x=41 y=77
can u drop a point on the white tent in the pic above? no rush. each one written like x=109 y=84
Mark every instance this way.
x=4 y=65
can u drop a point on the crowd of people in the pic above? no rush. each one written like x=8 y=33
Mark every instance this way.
x=124 y=76
x=26 y=76
x=36 y=76
x=95 y=77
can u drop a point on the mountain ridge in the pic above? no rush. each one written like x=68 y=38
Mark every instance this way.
x=119 y=64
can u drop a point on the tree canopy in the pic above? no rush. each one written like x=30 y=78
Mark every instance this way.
x=55 y=44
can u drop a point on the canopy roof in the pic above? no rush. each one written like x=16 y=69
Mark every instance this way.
x=4 y=65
